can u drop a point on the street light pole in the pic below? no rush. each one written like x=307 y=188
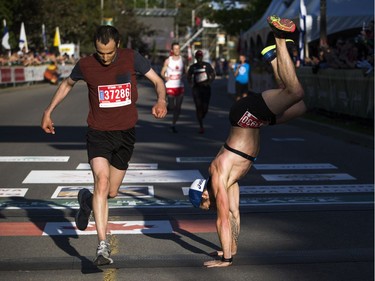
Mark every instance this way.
x=101 y=11
x=192 y=19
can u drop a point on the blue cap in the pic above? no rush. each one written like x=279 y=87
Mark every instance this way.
x=195 y=192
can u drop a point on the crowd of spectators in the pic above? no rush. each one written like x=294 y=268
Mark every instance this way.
x=347 y=53
x=34 y=58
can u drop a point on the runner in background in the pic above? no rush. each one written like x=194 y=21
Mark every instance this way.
x=172 y=72
x=200 y=76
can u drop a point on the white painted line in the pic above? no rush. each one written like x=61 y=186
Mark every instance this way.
x=307 y=166
x=304 y=189
x=288 y=139
x=308 y=177
x=185 y=191
x=194 y=159
x=113 y=227
x=125 y=191
x=13 y=192
x=132 y=176
x=34 y=158
x=132 y=166
x=301 y=189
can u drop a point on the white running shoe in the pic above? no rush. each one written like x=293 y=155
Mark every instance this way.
x=102 y=254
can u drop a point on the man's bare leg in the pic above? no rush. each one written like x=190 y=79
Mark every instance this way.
x=292 y=92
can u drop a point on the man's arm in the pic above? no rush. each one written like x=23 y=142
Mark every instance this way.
x=164 y=70
x=223 y=224
x=159 y=110
x=190 y=75
x=62 y=91
x=212 y=73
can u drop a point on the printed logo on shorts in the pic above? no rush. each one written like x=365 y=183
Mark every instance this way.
x=249 y=121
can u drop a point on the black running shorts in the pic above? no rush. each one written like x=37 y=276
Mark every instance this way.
x=250 y=111
x=116 y=146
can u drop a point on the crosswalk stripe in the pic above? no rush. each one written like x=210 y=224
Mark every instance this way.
x=305 y=166
x=300 y=189
x=132 y=176
x=34 y=158
x=132 y=166
x=307 y=177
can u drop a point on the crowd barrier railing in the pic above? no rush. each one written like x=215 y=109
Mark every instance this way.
x=343 y=91
x=22 y=74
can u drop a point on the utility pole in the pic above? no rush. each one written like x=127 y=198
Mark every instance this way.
x=323 y=23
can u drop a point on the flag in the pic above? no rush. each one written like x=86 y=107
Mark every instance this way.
x=23 y=41
x=190 y=54
x=5 y=40
x=44 y=37
x=56 y=40
x=302 y=25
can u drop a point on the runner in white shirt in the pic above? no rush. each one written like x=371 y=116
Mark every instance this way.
x=172 y=72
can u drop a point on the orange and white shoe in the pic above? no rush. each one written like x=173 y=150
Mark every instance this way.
x=281 y=27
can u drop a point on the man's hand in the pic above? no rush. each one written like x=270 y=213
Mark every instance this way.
x=159 y=110
x=47 y=124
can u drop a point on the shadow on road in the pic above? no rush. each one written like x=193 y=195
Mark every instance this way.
x=55 y=214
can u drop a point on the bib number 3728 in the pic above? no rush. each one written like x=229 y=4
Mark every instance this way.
x=114 y=95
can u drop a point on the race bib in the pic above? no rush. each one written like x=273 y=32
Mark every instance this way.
x=114 y=95
x=201 y=77
x=249 y=121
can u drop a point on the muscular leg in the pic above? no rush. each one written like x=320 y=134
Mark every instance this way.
x=292 y=112
x=106 y=183
x=174 y=104
x=291 y=90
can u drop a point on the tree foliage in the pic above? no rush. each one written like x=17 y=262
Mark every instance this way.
x=78 y=19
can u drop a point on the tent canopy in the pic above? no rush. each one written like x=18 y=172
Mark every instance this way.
x=341 y=15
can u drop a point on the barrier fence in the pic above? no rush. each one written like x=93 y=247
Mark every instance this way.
x=345 y=91
x=29 y=74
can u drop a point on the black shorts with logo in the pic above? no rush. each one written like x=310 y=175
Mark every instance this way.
x=250 y=111
x=116 y=146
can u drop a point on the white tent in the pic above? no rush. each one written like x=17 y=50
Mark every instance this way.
x=341 y=15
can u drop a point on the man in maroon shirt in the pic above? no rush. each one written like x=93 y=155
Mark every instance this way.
x=110 y=75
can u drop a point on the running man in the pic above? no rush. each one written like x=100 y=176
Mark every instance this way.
x=200 y=76
x=110 y=75
x=172 y=72
x=221 y=190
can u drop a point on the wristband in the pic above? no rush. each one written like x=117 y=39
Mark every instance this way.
x=226 y=260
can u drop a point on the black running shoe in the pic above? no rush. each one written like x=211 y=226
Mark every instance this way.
x=83 y=215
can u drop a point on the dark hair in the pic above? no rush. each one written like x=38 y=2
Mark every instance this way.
x=174 y=44
x=105 y=33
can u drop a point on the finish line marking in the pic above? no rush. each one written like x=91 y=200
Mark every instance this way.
x=114 y=227
x=34 y=158
x=125 y=191
x=132 y=166
x=13 y=192
x=132 y=176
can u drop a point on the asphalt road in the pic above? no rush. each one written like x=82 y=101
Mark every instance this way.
x=306 y=205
